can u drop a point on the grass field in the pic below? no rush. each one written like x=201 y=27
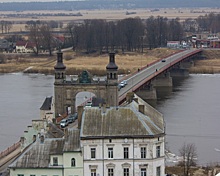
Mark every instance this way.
x=96 y=64
x=181 y=13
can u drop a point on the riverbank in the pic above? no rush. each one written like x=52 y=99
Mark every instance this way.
x=95 y=63
x=210 y=63
x=127 y=62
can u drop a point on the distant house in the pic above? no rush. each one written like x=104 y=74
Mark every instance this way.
x=47 y=109
x=25 y=47
x=58 y=40
x=6 y=45
x=51 y=156
x=125 y=141
x=173 y=44
x=206 y=40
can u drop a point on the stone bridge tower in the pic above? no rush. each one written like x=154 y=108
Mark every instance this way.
x=65 y=91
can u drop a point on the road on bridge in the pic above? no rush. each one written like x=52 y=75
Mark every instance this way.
x=134 y=81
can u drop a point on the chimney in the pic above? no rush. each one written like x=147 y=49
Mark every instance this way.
x=34 y=138
x=129 y=97
x=42 y=139
x=104 y=108
x=141 y=108
x=136 y=100
x=22 y=140
x=79 y=112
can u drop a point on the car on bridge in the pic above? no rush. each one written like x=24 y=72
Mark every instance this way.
x=124 y=82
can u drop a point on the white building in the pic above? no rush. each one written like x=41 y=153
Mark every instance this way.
x=123 y=141
x=51 y=157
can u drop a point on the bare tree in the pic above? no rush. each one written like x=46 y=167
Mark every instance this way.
x=47 y=39
x=35 y=35
x=189 y=154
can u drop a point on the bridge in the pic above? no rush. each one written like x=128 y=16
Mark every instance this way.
x=148 y=73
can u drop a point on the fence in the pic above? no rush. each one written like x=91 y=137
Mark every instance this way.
x=10 y=149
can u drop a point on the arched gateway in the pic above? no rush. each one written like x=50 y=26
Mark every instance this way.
x=65 y=91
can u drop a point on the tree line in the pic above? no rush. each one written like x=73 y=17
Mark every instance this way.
x=130 y=34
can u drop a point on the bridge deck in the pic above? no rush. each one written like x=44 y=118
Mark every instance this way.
x=134 y=81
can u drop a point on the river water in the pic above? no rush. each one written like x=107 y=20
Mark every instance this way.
x=191 y=111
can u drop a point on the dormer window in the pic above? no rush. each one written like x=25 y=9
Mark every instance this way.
x=55 y=161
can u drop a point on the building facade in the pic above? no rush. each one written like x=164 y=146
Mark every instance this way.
x=126 y=141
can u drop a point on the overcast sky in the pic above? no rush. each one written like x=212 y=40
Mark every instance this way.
x=31 y=0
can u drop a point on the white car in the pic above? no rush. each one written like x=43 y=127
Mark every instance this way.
x=121 y=85
x=124 y=82
x=64 y=123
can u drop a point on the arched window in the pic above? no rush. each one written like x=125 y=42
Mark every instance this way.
x=73 y=162
x=115 y=75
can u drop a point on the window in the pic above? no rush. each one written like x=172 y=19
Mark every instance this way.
x=158 y=171
x=126 y=152
x=93 y=152
x=143 y=172
x=55 y=161
x=73 y=162
x=110 y=152
x=20 y=174
x=158 y=151
x=93 y=172
x=110 y=172
x=32 y=175
x=126 y=171
x=143 y=152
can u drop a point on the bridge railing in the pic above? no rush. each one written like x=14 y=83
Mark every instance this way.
x=136 y=86
x=148 y=65
x=10 y=149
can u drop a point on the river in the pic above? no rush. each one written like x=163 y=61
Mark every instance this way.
x=191 y=111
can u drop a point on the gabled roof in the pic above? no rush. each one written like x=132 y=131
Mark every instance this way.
x=26 y=44
x=121 y=122
x=38 y=154
x=53 y=131
x=72 y=140
x=47 y=104
x=60 y=38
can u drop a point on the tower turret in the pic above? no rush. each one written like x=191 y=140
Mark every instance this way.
x=112 y=81
x=60 y=68
x=112 y=70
